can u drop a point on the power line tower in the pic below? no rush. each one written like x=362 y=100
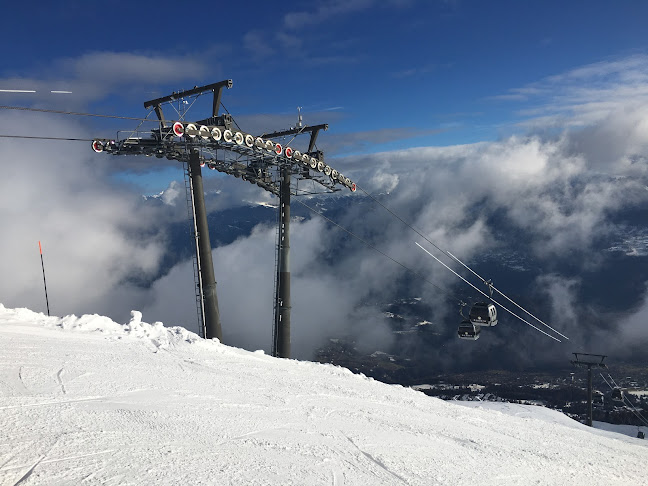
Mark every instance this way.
x=219 y=143
x=589 y=361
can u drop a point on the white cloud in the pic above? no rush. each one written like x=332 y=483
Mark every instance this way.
x=559 y=191
x=555 y=191
x=123 y=68
x=96 y=75
x=384 y=182
x=562 y=293
x=633 y=331
x=323 y=304
x=329 y=9
x=325 y=11
x=584 y=95
x=257 y=43
x=96 y=235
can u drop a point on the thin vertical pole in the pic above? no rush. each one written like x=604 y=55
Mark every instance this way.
x=589 y=395
x=40 y=248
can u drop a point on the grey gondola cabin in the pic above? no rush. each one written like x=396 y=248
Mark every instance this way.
x=617 y=394
x=483 y=314
x=467 y=330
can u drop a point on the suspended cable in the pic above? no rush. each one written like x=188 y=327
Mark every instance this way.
x=635 y=411
x=74 y=113
x=295 y=135
x=505 y=296
x=134 y=131
x=192 y=103
x=606 y=382
x=488 y=297
x=625 y=400
x=445 y=252
x=611 y=380
x=141 y=120
x=399 y=218
x=227 y=111
x=47 y=138
x=59 y=112
x=365 y=242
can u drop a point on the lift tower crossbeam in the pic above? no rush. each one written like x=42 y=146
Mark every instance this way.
x=313 y=130
x=216 y=88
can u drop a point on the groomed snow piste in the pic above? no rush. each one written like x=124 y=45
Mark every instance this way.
x=85 y=400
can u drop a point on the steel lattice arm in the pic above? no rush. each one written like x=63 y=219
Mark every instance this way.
x=254 y=157
x=258 y=160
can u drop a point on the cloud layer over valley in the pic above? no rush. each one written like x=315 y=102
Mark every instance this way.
x=554 y=198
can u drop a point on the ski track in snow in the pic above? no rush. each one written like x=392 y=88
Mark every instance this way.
x=60 y=380
x=89 y=401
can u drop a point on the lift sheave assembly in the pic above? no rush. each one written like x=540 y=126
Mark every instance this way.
x=257 y=159
x=219 y=143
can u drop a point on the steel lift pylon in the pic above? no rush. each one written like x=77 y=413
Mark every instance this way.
x=219 y=144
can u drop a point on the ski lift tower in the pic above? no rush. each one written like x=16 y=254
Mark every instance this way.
x=219 y=143
x=589 y=361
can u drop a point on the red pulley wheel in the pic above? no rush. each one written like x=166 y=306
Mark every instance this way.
x=178 y=129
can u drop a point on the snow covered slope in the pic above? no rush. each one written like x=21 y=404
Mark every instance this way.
x=89 y=401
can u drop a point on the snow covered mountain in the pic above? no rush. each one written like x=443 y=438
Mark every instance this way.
x=85 y=400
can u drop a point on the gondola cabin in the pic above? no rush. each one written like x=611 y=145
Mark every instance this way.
x=617 y=395
x=483 y=314
x=467 y=330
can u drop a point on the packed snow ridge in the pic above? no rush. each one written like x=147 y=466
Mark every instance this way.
x=85 y=400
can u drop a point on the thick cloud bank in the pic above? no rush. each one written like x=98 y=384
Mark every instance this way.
x=546 y=205
x=97 y=236
x=549 y=200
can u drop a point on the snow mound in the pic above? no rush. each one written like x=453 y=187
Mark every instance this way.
x=157 y=334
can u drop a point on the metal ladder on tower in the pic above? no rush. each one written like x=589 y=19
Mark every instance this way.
x=276 y=283
x=191 y=212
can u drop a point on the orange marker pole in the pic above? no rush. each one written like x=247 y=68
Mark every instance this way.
x=44 y=282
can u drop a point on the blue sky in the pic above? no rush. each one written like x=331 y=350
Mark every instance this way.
x=385 y=74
